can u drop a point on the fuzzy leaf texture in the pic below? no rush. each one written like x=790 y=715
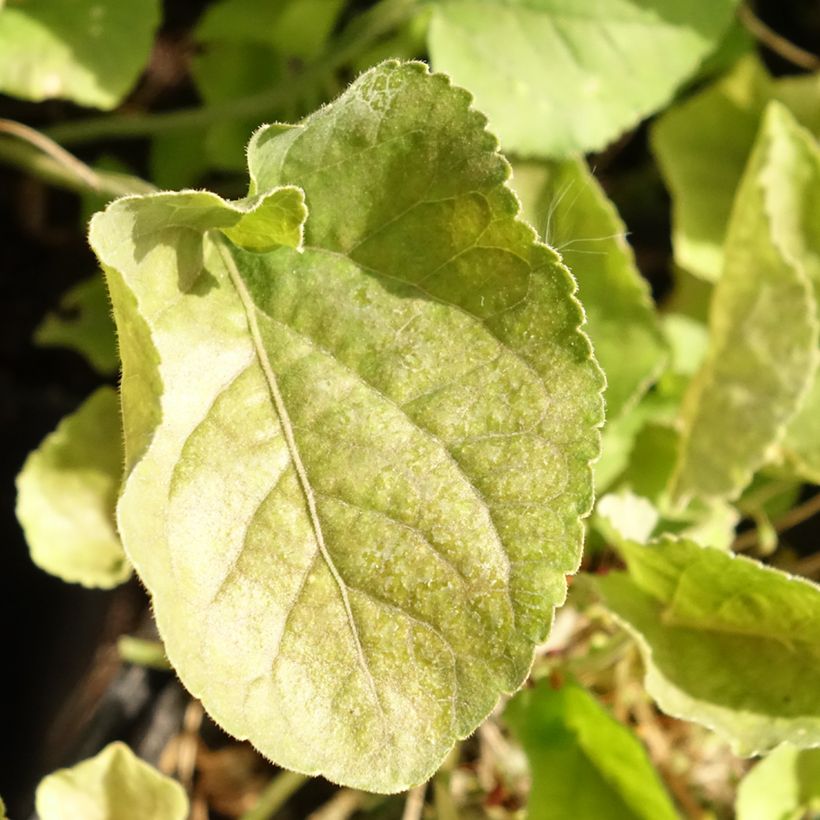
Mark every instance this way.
x=558 y=77
x=87 y=51
x=758 y=368
x=727 y=641
x=114 y=785
x=566 y=205
x=357 y=462
x=584 y=764
x=66 y=494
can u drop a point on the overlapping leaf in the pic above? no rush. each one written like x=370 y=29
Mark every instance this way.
x=584 y=764
x=763 y=324
x=558 y=77
x=66 y=493
x=114 y=785
x=786 y=786
x=84 y=324
x=567 y=206
x=703 y=145
x=87 y=51
x=727 y=642
x=356 y=488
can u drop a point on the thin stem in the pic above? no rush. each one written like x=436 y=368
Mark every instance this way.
x=776 y=42
x=414 y=805
x=43 y=166
x=362 y=32
x=275 y=795
x=792 y=518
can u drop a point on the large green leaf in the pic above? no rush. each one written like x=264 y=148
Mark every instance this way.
x=784 y=786
x=66 y=494
x=565 y=204
x=114 y=785
x=763 y=323
x=83 y=324
x=87 y=51
x=584 y=764
x=727 y=642
x=560 y=76
x=357 y=490
x=702 y=146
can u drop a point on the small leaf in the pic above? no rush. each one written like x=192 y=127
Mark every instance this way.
x=357 y=491
x=625 y=515
x=142 y=652
x=66 y=494
x=584 y=764
x=83 y=324
x=785 y=785
x=114 y=785
x=556 y=78
x=566 y=205
x=702 y=146
x=726 y=641
x=763 y=325
x=87 y=51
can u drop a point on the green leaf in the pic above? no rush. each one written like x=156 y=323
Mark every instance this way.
x=784 y=786
x=2 y=804
x=250 y=46
x=567 y=207
x=357 y=493
x=87 y=51
x=556 y=78
x=66 y=494
x=625 y=515
x=584 y=764
x=84 y=324
x=763 y=325
x=114 y=785
x=727 y=641
x=703 y=145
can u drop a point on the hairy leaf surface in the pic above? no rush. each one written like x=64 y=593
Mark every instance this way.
x=726 y=641
x=565 y=204
x=702 y=147
x=83 y=323
x=560 y=76
x=114 y=785
x=87 y=51
x=66 y=494
x=584 y=763
x=356 y=491
x=785 y=786
x=759 y=367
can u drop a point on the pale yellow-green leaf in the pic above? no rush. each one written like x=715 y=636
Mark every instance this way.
x=66 y=494
x=568 y=208
x=703 y=145
x=763 y=325
x=356 y=467
x=783 y=786
x=726 y=641
x=87 y=51
x=626 y=515
x=557 y=77
x=114 y=785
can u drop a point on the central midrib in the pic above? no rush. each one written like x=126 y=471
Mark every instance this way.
x=296 y=459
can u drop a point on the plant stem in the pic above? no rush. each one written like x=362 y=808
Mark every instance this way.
x=792 y=518
x=414 y=806
x=275 y=795
x=362 y=32
x=775 y=42
x=44 y=166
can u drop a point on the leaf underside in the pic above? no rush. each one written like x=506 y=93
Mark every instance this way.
x=356 y=463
